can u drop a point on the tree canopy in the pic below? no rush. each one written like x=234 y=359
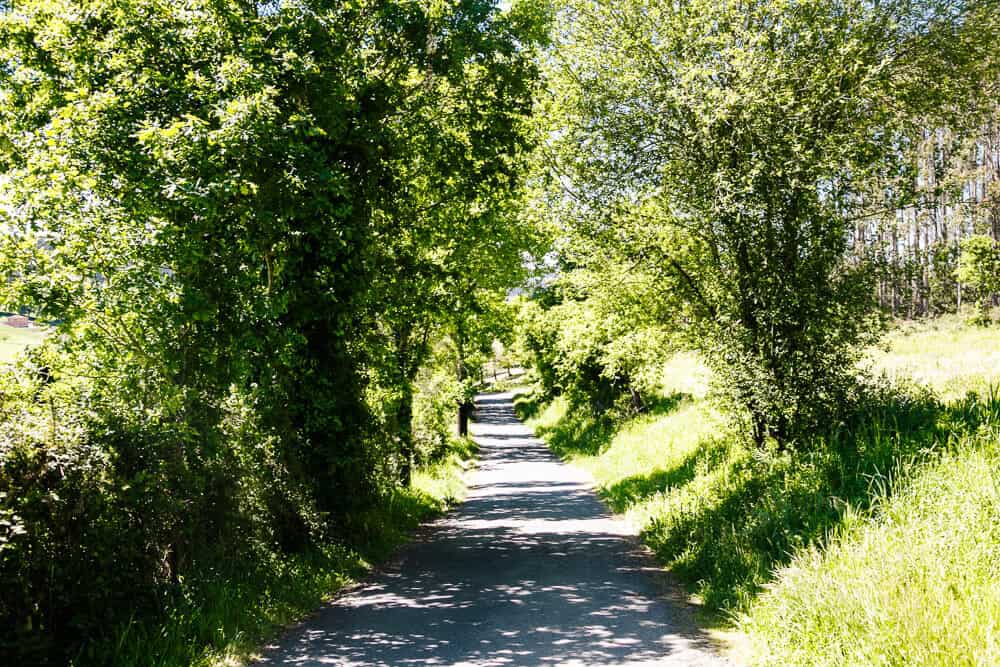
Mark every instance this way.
x=250 y=222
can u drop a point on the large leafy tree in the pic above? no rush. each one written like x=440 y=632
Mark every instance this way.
x=217 y=193
x=725 y=146
x=190 y=191
x=219 y=201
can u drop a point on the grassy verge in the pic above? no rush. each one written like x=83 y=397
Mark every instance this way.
x=878 y=546
x=916 y=583
x=231 y=613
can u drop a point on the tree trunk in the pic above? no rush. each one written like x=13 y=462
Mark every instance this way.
x=462 y=371
x=410 y=342
x=637 y=403
x=464 y=410
x=404 y=426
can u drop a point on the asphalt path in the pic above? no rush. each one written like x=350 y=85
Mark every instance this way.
x=530 y=570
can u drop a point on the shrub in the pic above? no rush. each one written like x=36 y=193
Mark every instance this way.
x=979 y=268
x=111 y=509
x=596 y=359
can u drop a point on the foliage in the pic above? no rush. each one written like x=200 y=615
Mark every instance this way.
x=942 y=284
x=438 y=393
x=227 y=612
x=112 y=524
x=81 y=535
x=250 y=222
x=595 y=340
x=451 y=238
x=725 y=147
x=536 y=338
x=979 y=268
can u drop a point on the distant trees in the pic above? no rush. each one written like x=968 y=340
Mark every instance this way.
x=953 y=193
x=731 y=148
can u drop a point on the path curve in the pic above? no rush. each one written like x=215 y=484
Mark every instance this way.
x=530 y=570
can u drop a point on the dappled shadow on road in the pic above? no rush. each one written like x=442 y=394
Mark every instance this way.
x=495 y=412
x=530 y=570
x=549 y=615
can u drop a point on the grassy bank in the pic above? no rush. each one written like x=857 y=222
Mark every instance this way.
x=877 y=546
x=231 y=613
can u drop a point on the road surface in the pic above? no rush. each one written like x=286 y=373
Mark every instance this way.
x=530 y=570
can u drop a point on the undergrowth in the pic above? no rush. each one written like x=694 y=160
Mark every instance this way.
x=229 y=611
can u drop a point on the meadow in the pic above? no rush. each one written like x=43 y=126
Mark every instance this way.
x=874 y=543
x=946 y=354
x=13 y=341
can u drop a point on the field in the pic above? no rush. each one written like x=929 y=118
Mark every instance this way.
x=876 y=543
x=13 y=340
x=946 y=355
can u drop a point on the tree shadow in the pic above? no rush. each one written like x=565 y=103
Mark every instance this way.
x=528 y=404
x=587 y=435
x=664 y=405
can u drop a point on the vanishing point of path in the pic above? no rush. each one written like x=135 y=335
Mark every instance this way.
x=529 y=570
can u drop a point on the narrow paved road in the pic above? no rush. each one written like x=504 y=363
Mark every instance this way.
x=530 y=570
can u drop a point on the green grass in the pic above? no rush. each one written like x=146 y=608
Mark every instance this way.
x=916 y=584
x=880 y=545
x=13 y=341
x=441 y=482
x=946 y=355
x=231 y=614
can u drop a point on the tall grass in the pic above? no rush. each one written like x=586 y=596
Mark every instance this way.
x=915 y=584
x=850 y=551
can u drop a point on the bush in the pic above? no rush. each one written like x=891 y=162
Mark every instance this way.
x=434 y=411
x=979 y=268
x=596 y=358
x=109 y=509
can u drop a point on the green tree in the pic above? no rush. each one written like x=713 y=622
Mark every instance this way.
x=218 y=201
x=724 y=145
x=596 y=334
x=450 y=228
x=979 y=268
